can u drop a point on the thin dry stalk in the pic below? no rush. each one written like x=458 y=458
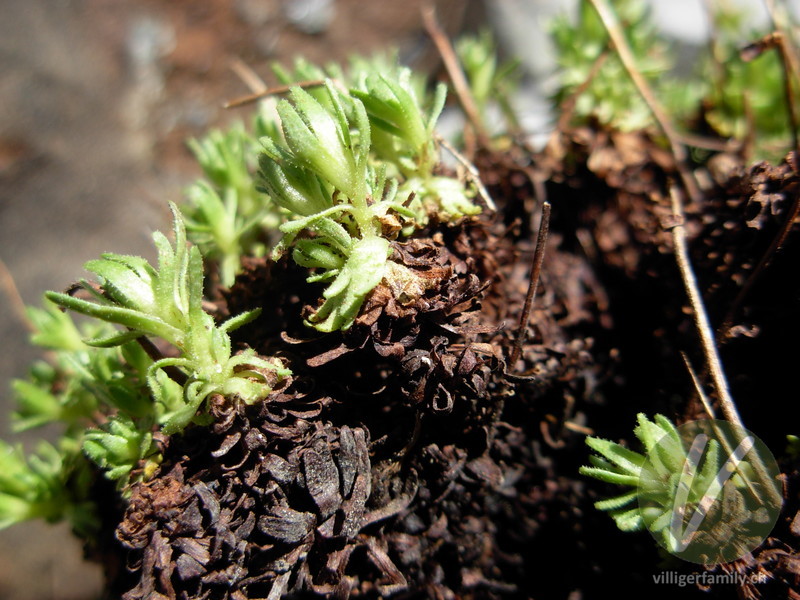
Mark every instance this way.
x=567 y=108
x=457 y=76
x=614 y=30
x=9 y=286
x=709 y=143
x=714 y=363
x=472 y=171
x=723 y=439
x=536 y=269
x=786 y=60
x=699 y=312
x=698 y=387
x=248 y=76
x=273 y=91
x=155 y=355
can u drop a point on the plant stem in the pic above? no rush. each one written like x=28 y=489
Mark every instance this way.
x=699 y=312
x=274 y=91
x=456 y=74
x=536 y=269
x=472 y=172
x=629 y=62
x=155 y=355
x=9 y=286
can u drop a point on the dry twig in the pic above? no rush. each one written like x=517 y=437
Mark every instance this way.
x=472 y=171
x=536 y=269
x=8 y=284
x=714 y=363
x=273 y=91
x=720 y=435
x=567 y=108
x=626 y=56
x=699 y=312
x=248 y=76
x=457 y=77
x=698 y=387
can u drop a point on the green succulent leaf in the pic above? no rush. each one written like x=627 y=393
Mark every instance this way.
x=628 y=520
x=617 y=502
x=240 y=320
x=610 y=476
x=364 y=269
x=314 y=254
x=340 y=190
x=290 y=185
x=128 y=280
x=392 y=106
x=627 y=460
x=136 y=320
x=321 y=142
x=618 y=465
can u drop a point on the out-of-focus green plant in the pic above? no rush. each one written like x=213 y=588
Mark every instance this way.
x=83 y=390
x=490 y=81
x=109 y=395
x=740 y=97
x=745 y=96
x=51 y=483
x=104 y=388
x=225 y=216
x=611 y=96
x=87 y=391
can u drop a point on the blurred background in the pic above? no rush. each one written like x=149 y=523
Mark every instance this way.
x=97 y=99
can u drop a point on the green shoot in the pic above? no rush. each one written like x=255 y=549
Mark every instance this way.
x=346 y=166
x=167 y=303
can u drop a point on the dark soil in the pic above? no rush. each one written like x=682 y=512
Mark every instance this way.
x=408 y=458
